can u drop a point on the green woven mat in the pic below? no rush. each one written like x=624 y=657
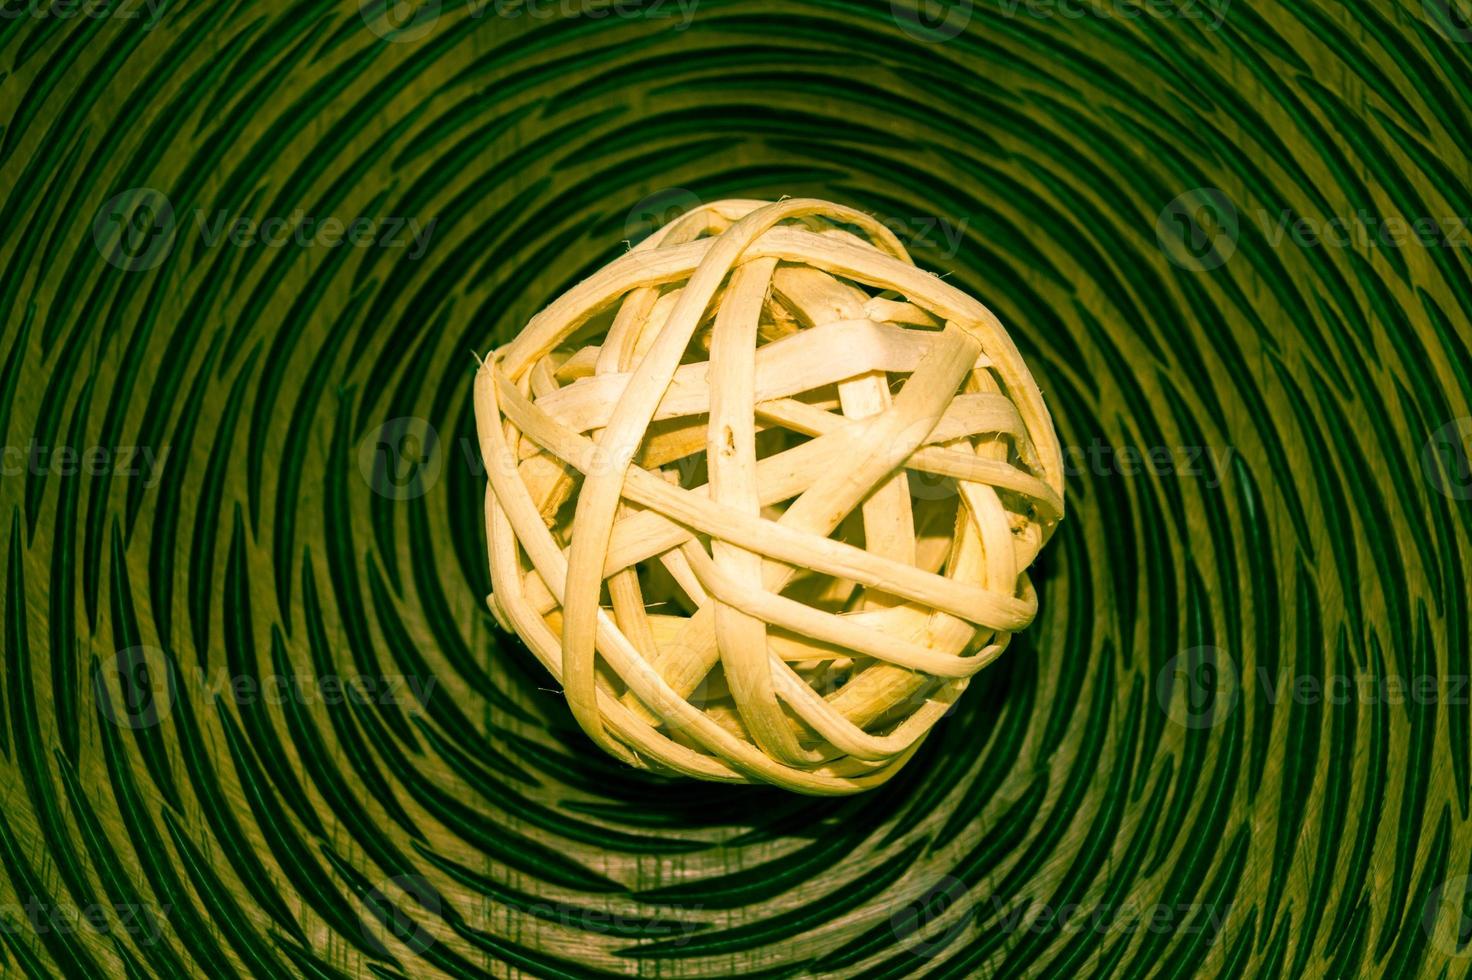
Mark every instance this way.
x=256 y=719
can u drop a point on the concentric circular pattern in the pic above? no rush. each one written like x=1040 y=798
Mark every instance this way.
x=783 y=607
x=256 y=718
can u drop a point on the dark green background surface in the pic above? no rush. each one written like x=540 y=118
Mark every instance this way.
x=1146 y=784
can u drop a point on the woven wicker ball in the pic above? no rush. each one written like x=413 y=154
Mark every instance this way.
x=763 y=495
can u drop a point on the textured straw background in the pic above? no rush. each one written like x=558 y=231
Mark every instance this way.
x=257 y=721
